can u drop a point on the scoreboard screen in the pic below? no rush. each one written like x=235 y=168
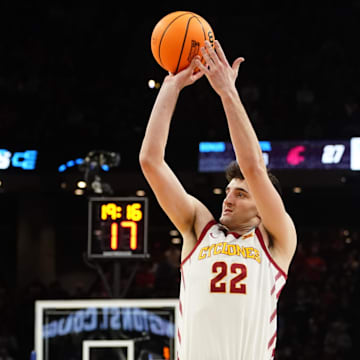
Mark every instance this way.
x=278 y=155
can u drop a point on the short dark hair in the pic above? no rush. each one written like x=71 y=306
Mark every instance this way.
x=233 y=171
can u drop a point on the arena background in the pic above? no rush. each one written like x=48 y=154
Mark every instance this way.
x=74 y=79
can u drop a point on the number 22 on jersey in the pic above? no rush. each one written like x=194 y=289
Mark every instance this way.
x=235 y=284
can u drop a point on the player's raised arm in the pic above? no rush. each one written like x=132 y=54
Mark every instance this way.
x=179 y=206
x=248 y=153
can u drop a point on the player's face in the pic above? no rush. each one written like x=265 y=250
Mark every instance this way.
x=239 y=208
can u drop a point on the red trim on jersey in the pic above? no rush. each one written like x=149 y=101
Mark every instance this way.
x=262 y=243
x=272 y=340
x=182 y=276
x=273 y=315
x=278 y=275
x=236 y=235
x=202 y=235
x=279 y=292
x=273 y=289
x=179 y=336
x=180 y=307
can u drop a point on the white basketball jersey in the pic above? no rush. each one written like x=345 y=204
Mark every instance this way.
x=230 y=286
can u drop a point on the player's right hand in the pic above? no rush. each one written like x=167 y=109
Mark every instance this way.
x=186 y=77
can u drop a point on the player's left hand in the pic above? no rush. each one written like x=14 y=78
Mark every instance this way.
x=217 y=69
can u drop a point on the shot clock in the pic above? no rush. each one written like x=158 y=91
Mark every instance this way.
x=117 y=227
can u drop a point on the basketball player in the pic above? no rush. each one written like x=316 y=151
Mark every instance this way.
x=232 y=271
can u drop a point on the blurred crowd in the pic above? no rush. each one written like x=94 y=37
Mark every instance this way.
x=62 y=77
x=318 y=309
x=64 y=80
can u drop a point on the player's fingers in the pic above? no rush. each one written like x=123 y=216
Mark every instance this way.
x=190 y=69
x=212 y=54
x=203 y=68
x=194 y=70
x=236 y=64
x=206 y=56
x=220 y=53
x=197 y=74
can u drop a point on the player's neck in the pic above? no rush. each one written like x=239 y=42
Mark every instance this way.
x=248 y=226
x=241 y=230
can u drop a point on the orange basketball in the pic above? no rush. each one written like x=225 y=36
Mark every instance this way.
x=177 y=38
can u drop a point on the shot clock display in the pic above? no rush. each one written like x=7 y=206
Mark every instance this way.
x=117 y=227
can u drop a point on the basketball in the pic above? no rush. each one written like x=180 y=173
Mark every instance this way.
x=177 y=38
